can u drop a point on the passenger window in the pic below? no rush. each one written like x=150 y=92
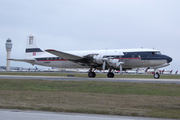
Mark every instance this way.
x=153 y=53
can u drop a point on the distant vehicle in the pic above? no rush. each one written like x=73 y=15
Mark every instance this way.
x=115 y=59
x=132 y=72
x=49 y=69
x=167 y=71
x=83 y=70
x=71 y=70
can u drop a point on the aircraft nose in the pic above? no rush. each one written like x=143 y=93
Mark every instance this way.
x=169 y=59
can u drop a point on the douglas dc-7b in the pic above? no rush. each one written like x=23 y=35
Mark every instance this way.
x=116 y=59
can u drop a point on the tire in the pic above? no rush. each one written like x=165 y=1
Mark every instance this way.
x=92 y=74
x=156 y=75
x=110 y=75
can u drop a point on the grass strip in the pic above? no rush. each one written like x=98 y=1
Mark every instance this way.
x=116 y=98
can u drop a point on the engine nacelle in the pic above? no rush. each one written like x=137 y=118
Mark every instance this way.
x=114 y=63
x=98 y=59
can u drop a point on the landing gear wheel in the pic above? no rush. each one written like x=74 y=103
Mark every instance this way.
x=157 y=75
x=110 y=75
x=92 y=74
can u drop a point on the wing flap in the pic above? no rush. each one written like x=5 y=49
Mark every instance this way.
x=63 y=55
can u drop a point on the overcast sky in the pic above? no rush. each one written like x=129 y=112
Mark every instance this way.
x=91 y=24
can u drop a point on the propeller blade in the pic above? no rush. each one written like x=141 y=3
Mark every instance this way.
x=104 y=65
x=120 y=68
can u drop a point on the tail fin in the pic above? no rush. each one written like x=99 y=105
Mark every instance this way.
x=32 y=49
x=146 y=70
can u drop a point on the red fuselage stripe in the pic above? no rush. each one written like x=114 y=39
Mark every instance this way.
x=52 y=60
x=127 y=58
x=67 y=60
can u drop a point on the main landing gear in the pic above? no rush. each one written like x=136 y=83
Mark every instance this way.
x=91 y=73
x=110 y=75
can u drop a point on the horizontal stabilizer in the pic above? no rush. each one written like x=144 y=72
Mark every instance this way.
x=63 y=55
x=24 y=60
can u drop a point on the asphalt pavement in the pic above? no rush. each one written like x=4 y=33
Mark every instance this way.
x=8 y=114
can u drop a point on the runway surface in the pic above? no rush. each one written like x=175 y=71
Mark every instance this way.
x=7 y=114
x=60 y=78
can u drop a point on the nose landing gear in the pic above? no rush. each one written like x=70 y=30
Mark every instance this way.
x=156 y=75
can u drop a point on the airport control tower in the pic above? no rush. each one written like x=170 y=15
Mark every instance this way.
x=8 y=49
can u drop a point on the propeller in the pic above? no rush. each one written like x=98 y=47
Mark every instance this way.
x=120 y=68
x=104 y=65
x=120 y=64
x=115 y=63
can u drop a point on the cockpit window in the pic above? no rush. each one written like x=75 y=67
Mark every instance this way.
x=156 y=53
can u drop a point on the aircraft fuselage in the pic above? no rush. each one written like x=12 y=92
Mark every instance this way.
x=129 y=58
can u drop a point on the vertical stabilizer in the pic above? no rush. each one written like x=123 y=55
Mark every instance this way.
x=32 y=49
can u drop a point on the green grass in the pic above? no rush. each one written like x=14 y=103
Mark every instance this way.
x=115 y=98
x=93 y=87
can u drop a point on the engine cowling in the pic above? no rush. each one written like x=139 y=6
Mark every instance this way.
x=98 y=59
x=114 y=63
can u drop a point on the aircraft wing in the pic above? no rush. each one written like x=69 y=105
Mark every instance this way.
x=24 y=60
x=64 y=55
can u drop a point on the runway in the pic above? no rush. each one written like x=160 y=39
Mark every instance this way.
x=7 y=114
x=60 y=78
